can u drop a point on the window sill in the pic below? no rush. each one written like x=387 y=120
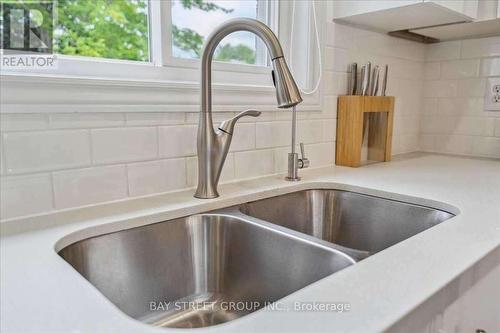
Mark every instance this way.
x=28 y=93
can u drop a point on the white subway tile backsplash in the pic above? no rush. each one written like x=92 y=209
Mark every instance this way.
x=264 y=116
x=330 y=107
x=408 y=143
x=87 y=186
x=405 y=125
x=243 y=137
x=474 y=126
x=177 y=141
x=497 y=127
x=336 y=83
x=25 y=195
x=471 y=87
x=329 y=129
x=486 y=146
x=374 y=44
x=156 y=176
x=437 y=125
x=454 y=144
x=46 y=150
x=23 y=122
x=340 y=84
x=460 y=125
x=314 y=115
x=490 y=67
x=115 y=145
x=443 y=51
x=461 y=107
x=441 y=88
x=2 y=158
x=321 y=154
x=281 y=159
x=253 y=163
x=309 y=131
x=339 y=35
x=430 y=106
x=450 y=106
x=217 y=117
x=286 y=115
x=155 y=118
x=427 y=142
x=481 y=47
x=459 y=69
x=432 y=70
x=337 y=59
x=86 y=120
x=406 y=69
x=160 y=148
x=273 y=134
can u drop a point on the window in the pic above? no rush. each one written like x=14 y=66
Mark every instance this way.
x=103 y=29
x=156 y=31
x=120 y=29
x=143 y=55
x=191 y=20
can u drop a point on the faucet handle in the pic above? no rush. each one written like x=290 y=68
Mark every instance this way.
x=227 y=126
x=251 y=113
x=303 y=161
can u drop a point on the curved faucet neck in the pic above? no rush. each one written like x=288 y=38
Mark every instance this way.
x=238 y=24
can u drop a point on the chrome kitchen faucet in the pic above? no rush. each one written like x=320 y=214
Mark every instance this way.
x=214 y=145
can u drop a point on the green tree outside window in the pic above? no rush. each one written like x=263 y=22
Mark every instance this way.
x=118 y=29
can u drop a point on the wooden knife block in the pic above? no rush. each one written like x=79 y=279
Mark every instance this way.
x=350 y=123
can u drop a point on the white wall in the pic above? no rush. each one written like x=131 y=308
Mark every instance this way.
x=453 y=119
x=406 y=65
x=58 y=161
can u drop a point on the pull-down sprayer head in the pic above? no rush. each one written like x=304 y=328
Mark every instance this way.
x=287 y=93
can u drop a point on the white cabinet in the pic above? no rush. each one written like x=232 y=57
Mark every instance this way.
x=466 y=7
x=477 y=308
x=343 y=8
x=387 y=16
x=438 y=19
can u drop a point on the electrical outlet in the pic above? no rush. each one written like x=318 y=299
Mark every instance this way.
x=492 y=98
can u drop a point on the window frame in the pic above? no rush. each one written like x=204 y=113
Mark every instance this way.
x=266 y=8
x=236 y=85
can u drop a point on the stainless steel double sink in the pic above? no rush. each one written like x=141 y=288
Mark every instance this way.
x=211 y=268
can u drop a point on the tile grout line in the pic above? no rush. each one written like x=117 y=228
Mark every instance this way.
x=53 y=190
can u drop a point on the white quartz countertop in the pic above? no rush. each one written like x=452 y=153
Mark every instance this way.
x=40 y=292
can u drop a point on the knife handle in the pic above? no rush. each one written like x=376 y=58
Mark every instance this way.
x=384 y=81
x=354 y=79
x=374 y=87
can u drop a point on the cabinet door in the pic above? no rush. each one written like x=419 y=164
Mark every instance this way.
x=343 y=8
x=466 y=7
x=477 y=308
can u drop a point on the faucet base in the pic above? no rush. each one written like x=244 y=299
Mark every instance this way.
x=205 y=197
x=293 y=166
x=205 y=193
x=292 y=179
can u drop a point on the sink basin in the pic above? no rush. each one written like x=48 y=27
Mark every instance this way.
x=352 y=220
x=187 y=272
